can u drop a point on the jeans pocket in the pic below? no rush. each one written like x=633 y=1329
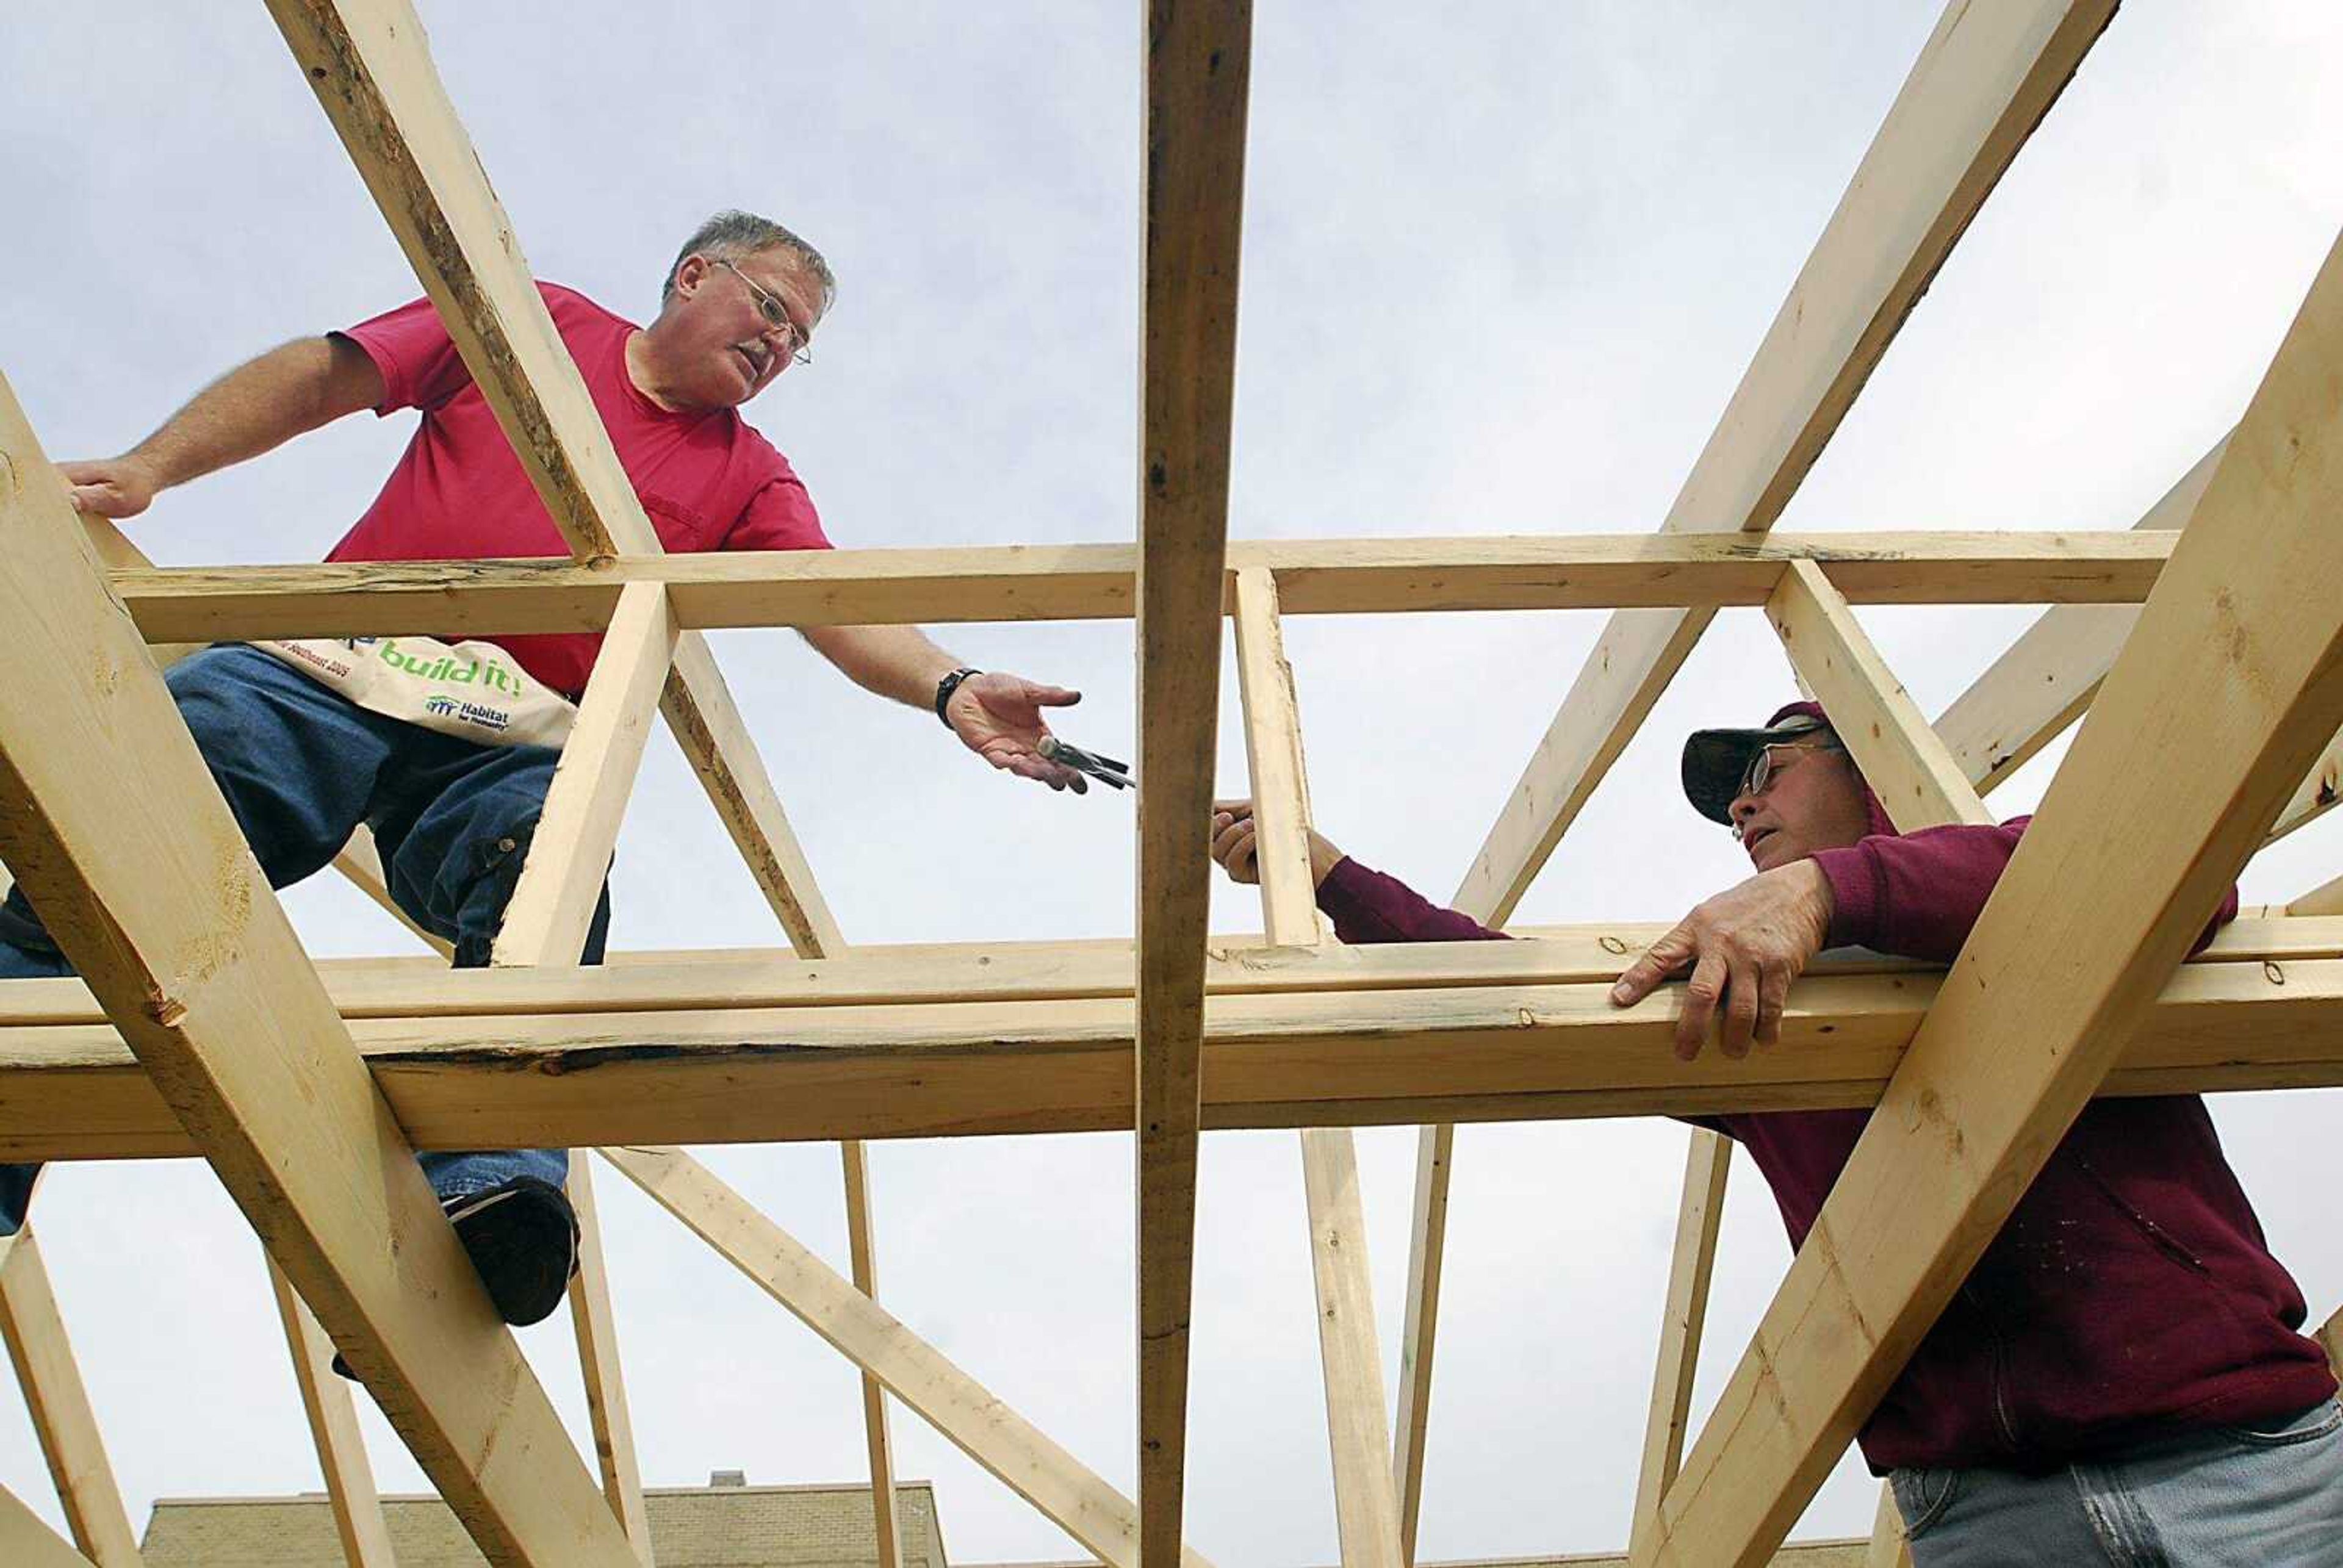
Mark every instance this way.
x=2320 y=1420
x=1922 y=1496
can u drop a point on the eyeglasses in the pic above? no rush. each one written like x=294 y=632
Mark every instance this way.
x=1761 y=766
x=776 y=314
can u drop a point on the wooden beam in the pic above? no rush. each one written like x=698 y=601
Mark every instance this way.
x=144 y=880
x=1916 y=779
x=27 y=1542
x=878 y=1431
x=1198 y=70
x=59 y=1405
x=1888 y=1548
x=2330 y=1337
x=553 y=904
x=1435 y=1154
x=1708 y=1163
x=1366 y=1497
x=1357 y=1058
x=1273 y=759
x=2234 y=659
x=1097 y=582
x=2047 y=680
x=975 y=1420
x=1983 y=81
x=596 y=1328
x=546 y=925
x=334 y=1427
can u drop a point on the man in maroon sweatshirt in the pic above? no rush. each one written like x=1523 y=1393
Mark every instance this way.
x=2121 y=1379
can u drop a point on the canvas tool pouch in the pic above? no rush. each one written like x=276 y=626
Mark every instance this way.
x=472 y=690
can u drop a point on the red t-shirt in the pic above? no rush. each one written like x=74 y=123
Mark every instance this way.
x=707 y=480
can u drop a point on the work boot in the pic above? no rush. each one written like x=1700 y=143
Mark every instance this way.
x=522 y=1237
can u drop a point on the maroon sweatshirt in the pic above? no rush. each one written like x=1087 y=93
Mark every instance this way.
x=2129 y=1295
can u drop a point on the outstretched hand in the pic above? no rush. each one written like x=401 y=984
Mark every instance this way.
x=999 y=717
x=110 y=486
x=1745 y=946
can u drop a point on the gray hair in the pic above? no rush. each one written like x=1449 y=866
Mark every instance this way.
x=735 y=234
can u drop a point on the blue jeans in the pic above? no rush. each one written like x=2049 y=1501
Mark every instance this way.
x=301 y=768
x=2227 y=1497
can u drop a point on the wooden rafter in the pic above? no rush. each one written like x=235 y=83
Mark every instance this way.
x=146 y=883
x=1708 y=1163
x=27 y=1542
x=1096 y=582
x=2029 y=695
x=2235 y=655
x=1984 y=80
x=62 y=1417
x=1199 y=67
x=1366 y=1502
x=979 y=1423
x=334 y=1428
x=1492 y=1051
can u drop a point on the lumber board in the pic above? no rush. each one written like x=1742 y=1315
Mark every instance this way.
x=333 y=1417
x=2047 y=679
x=595 y=1326
x=1692 y=1265
x=27 y=1542
x=1010 y=583
x=1366 y=1498
x=552 y=906
x=974 y=1419
x=1907 y=767
x=1488 y=1052
x=1435 y=1155
x=1985 y=79
x=59 y=1404
x=1198 y=71
x=878 y=1431
x=107 y=815
x=2234 y=657
x=735 y=977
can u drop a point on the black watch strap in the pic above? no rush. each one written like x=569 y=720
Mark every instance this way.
x=944 y=690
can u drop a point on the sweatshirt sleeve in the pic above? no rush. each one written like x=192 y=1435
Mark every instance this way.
x=1367 y=906
x=1916 y=895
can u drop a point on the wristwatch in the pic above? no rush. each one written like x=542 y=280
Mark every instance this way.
x=944 y=690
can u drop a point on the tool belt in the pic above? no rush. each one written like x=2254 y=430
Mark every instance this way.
x=474 y=692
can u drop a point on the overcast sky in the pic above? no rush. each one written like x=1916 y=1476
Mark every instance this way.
x=1502 y=271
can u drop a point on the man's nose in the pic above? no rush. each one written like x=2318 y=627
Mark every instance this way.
x=1744 y=807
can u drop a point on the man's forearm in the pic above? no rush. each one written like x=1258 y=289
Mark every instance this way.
x=259 y=405
x=897 y=661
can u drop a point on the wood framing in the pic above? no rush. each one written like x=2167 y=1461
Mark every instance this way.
x=146 y=883
x=1199 y=65
x=334 y=1429
x=1708 y=1163
x=2029 y=695
x=62 y=1418
x=878 y=1431
x=28 y=1542
x=1366 y=1500
x=2233 y=655
x=976 y=1421
x=1916 y=779
x=1983 y=81
x=1096 y=582
x=2210 y=630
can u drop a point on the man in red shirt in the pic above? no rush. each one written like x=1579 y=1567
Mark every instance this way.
x=2121 y=1379
x=302 y=766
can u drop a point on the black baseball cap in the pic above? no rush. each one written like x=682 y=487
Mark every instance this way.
x=1716 y=760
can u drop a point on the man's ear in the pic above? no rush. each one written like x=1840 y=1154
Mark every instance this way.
x=691 y=274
